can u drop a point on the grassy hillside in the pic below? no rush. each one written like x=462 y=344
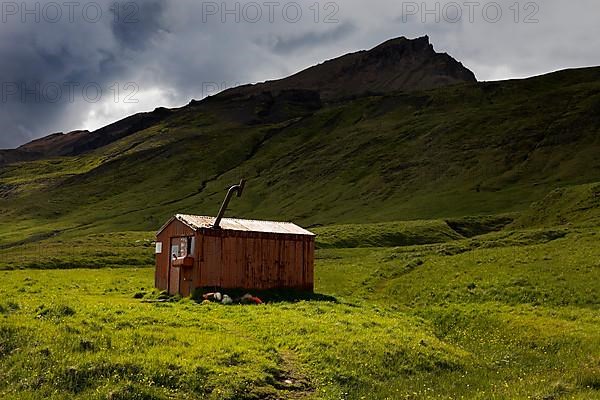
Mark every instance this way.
x=385 y=234
x=470 y=307
x=579 y=205
x=475 y=149
x=506 y=315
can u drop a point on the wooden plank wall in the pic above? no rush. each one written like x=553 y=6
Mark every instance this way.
x=253 y=260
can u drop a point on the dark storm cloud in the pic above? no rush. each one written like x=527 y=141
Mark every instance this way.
x=166 y=52
x=46 y=65
x=134 y=25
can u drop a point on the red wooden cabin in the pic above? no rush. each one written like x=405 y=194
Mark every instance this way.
x=192 y=253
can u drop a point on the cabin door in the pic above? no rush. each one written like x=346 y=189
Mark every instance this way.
x=174 y=272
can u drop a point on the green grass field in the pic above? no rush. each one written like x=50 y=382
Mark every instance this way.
x=511 y=314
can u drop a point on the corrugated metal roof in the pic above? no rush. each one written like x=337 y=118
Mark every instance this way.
x=247 y=225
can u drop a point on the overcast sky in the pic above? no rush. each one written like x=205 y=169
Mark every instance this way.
x=56 y=57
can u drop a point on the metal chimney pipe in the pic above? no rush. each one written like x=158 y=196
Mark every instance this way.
x=238 y=189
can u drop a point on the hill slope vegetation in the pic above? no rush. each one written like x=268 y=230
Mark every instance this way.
x=466 y=149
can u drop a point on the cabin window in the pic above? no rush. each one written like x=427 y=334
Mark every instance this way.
x=174 y=250
x=158 y=249
x=182 y=246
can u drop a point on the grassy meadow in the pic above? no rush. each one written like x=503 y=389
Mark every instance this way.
x=509 y=314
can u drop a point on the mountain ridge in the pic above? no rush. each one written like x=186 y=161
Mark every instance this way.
x=299 y=89
x=396 y=64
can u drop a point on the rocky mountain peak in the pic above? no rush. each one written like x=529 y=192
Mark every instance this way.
x=399 y=64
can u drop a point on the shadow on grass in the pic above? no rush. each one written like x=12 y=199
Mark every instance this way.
x=267 y=296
